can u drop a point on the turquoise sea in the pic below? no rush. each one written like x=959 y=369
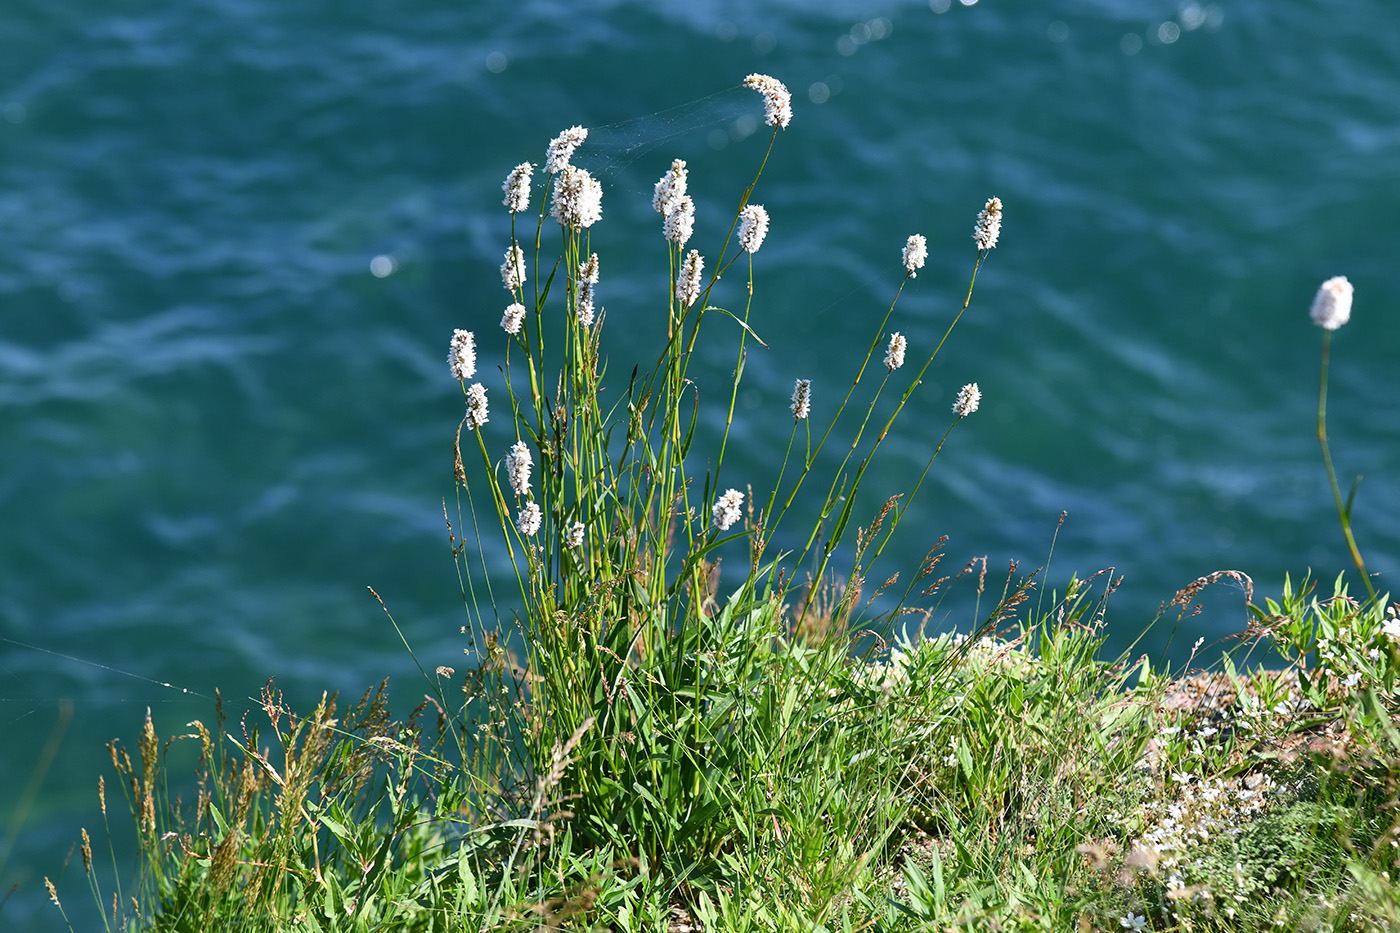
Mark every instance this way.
x=219 y=424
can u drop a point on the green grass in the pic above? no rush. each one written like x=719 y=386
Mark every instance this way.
x=640 y=740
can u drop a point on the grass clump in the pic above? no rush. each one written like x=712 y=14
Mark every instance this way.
x=642 y=740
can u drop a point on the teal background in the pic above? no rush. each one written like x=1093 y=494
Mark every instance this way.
x=217 y=427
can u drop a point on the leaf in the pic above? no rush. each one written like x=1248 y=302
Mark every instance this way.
x=739 y=322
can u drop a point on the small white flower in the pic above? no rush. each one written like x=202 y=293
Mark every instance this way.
x=1332 y=306
x=513 y=318
x=588 y=271
x=1391 y=627
x=801 y=399
x=476 y=406
x=969 y=396
x=894 y=353
x=561 y=149
x=529 y=520
x=915 y=252
x=727 y=509
x=777 y=100
x=587 y=278
x=1133 y=922
x=988 y=224
x=462 y=356
x=517 y=188
x=680 y=220
x=688 y=282
x=670 y=189
x=753 y=227
x=584 y=305
x=578 y=198
x=518 y=464
x=576 y=535
x=1351 y=680
x=513 y=269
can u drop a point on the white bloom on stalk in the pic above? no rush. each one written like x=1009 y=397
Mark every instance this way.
x=801 y=399
x=915 y=252
x=584 y=304
x=529 y=520
x=680 y=220
x=476 y=406
x=513 y=269
x=894 y=353
x=777 y=100
x=518 y=464
x=1332 y=306
x=513 y=318
x=578 y=198
x=988 y=224
x=670 y=189
x=1391 y=628
x=587 y=278
x=576 y=535
x=753 y=227
x=969 y=396
x=561 y=149
x=462 y=356
x=517 y=188
x=688 y=282
x=727 y=509
x=588 y=271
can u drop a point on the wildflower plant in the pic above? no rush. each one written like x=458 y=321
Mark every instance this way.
x=673 y=689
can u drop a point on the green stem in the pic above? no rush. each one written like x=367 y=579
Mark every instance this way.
x=1342 y=513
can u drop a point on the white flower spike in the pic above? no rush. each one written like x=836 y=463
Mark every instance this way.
x=801 y=399
x=894 y=353
x=777 y=100
x=988 y=224
x=753 y=227
x=969 y=397
x=1332 y=306
x=728 y=509
x=561 y=149
x=915 y=252
x=462 y=357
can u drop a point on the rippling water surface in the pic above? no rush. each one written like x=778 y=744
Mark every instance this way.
x=219 y=426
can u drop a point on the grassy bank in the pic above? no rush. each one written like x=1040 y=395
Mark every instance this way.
x=697 y=700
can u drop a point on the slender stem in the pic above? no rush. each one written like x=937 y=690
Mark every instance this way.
x=1343 y=515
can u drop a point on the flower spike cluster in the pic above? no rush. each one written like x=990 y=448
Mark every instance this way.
x=968 y=398
x=476 y=406
x=670 y=189
x=517 y=188
x=561 y=149
x=915 y=252
x=688 y=282
x=587 y=278
x=1332 y=306
x=801 y=399
x=513 y=269
x=462 y=356
x=518 y=464
x=578 y=198
x=777 y=100
x=727 y=509
x=529 y=520
x=988 y=224
x=894 y=354
x=753 y=227
x=513 y=318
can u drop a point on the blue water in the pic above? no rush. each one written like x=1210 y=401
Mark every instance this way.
x=218 y=427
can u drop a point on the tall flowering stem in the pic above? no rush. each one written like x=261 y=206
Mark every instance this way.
x=1343 y=509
